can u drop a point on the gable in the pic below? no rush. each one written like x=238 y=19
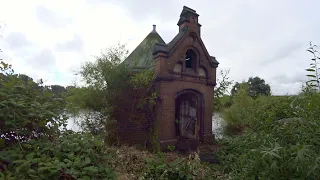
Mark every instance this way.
x=180 y=39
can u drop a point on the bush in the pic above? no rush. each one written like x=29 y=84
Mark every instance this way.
x=180 y=168
x=69 y=156
x=29 y=110
x=111 y=89
x=280 y=139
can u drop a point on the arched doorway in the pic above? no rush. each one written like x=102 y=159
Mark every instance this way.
x=189 y=114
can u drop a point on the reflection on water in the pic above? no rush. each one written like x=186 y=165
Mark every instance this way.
x=217 y=125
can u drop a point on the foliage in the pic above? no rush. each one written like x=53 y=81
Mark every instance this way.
x=171 y=148
x=30 y=110
x=221 y=90
x=142 y=81
x=104 y=98
x=314 y=77
x=97 y=102
x=69 y=156
x=257 y=87
x=158 y=168
x=239 y=111
x=32 y=146
x=279 y=137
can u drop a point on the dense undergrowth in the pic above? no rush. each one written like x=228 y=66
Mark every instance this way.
x=266 y=137
x=272 y=137
x=35 y=144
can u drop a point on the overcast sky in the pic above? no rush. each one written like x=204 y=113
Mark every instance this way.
x=265 y=38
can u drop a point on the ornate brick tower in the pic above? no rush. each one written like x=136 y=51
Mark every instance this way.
x=185 y=79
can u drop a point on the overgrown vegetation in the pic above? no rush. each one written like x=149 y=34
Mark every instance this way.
x=266 y=137
x=221 y=91
x=272 y=137
x=180 y=169
x=109 y=85
x=69 y=156
x=32 y=143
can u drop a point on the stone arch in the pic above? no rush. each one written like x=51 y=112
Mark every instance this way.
x=189 y=114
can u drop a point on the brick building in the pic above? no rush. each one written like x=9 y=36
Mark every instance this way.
x=185 y=79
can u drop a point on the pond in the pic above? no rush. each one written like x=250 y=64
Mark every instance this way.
x=217 y=124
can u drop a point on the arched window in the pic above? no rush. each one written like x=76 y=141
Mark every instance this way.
x=191 y=60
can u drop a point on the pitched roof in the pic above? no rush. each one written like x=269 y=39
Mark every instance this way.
x=141 y=57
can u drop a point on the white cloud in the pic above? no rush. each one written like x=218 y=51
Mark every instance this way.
x=267 y=38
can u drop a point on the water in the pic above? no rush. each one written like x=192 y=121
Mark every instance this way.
x=72 y=125
x=217 y=125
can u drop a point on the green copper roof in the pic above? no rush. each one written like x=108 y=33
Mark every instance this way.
x=141 y=57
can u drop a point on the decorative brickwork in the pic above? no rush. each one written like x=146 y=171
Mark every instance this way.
x=185 y=73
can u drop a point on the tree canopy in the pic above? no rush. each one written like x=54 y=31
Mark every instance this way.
x=257 y=87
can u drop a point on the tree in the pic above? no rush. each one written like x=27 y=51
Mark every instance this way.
x=257 y=87
x=105 y=85
x=235 y=88
x=223 y=85
x=221 y=89
x=111 y=89
x=57 y=89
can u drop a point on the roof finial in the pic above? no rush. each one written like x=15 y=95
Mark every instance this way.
x=154 y=28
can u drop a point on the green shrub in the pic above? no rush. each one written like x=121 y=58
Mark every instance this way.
x=29 y=110
x=111 y=88
x=69 y=156
x=280 y=139
x=180 y=168
x=240 y=110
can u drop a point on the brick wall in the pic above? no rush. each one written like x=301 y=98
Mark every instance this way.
x=170 y=83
